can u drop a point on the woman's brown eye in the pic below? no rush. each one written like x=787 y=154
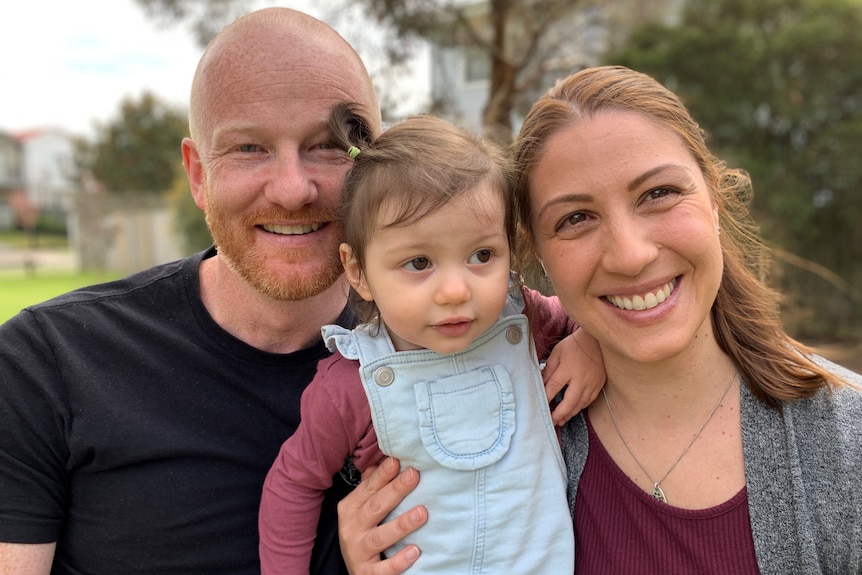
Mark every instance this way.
x=572 y=219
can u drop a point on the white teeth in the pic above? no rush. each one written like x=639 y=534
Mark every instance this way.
x=291 y=230
x=645 y=301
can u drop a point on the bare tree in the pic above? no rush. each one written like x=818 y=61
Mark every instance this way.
x=205 y=17
x=528 y=42
x=523 y=39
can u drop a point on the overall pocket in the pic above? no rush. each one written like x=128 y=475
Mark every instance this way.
x=466 y=421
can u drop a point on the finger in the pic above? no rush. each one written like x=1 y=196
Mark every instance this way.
x=553 y=386
x=550 y=366
x=399 y=562
x=394 y=565
x=373 y=480
x=568 y=407
x=362 y=539
x=378 y=476
x=388 y=534
x=379 y=492
x=388 y=496
x=561 y=414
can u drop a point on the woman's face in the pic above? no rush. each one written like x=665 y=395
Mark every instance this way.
x=627 y=231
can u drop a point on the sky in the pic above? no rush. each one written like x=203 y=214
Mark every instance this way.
x=66 y=64
x=69 y=63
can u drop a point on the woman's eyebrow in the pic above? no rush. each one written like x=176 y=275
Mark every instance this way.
x=639 y=180
x=568 y=198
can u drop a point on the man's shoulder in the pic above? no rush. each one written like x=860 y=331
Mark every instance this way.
x=153 y=292
x=164 y=277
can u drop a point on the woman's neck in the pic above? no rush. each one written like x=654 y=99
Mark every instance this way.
x=667 y=391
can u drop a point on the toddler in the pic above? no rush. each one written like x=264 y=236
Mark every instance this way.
x=443 y=372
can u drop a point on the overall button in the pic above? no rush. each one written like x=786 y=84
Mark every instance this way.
x=384 y=376
x=514 y=334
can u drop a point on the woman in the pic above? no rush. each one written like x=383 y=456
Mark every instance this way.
x=719 y=444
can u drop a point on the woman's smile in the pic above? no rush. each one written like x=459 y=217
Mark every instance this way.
x=643 y=301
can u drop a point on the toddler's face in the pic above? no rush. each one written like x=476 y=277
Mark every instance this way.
x=441 y=281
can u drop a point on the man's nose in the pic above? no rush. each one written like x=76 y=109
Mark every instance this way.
x=290 y=184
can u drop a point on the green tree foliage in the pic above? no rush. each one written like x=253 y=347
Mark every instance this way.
x=136 y=157
x=777 y=86
x=138 y=151
x=188 y=218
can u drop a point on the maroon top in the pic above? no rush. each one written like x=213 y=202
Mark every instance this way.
x=619 y=528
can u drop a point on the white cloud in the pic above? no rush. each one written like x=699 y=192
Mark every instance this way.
x=67 y=64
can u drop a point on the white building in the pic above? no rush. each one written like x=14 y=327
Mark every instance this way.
x=579 y=38
x=48 y=168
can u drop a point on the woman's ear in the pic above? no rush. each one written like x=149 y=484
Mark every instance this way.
x=353 y=271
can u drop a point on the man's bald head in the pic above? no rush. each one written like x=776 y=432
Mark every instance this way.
x=276 y=41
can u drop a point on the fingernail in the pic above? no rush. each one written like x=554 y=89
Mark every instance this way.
x=406 y=475
x=412 y=553
x=415 y=516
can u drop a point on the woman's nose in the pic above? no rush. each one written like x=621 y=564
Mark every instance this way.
x=628 y=247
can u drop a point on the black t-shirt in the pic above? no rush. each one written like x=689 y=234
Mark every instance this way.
x=137 y=433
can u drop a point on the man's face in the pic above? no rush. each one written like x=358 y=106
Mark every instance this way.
x=271 y=180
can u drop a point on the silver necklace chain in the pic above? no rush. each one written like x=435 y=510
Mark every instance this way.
x=656 y=488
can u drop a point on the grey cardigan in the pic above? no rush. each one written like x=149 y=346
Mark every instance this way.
x=803 y=471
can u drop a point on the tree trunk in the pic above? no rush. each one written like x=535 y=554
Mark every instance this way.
x=496 y=116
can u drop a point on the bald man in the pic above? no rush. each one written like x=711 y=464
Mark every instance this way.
x=139 y=418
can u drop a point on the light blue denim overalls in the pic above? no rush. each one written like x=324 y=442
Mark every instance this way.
x=477 y=426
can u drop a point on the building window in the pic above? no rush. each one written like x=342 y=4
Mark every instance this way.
x=7 y=160
x=476 y=65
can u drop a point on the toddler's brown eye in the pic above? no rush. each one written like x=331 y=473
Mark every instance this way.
x=483 y=256
x=417 y=264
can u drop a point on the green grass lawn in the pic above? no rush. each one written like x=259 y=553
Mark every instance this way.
x=21 y=240
x=18 y=290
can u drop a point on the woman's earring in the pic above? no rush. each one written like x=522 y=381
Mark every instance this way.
x=718 y=230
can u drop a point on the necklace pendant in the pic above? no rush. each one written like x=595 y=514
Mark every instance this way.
x=658 y=493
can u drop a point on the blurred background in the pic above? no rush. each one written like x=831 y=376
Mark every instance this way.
x=94 y=105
